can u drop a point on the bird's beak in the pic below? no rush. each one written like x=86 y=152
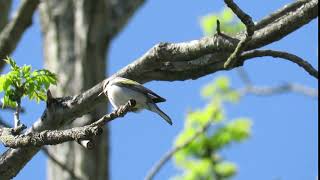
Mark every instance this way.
x=104 y=91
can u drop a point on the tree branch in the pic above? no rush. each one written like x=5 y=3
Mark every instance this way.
x=280 y=13
x=284 y=88
x=194 y=59
x=3 y=124
x=4 y=12
x=284 y=55
x=13 y=31
x=9 y=139
x=244 y=17
x=247 y=21
x=167 y=156
x=169 y=62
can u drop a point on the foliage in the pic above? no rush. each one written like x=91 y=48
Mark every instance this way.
x=229 y=22
x=201 y=159
x=21 y=81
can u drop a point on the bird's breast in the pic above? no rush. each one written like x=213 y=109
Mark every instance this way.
x=119 y=96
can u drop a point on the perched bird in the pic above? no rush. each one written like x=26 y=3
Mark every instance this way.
x=120 y=90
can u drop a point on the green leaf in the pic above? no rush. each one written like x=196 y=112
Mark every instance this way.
x=208 y=90
x=6 y=82
x=227 y=15
x=225 y=169
x=240 y=129
x=26 y=71
x=208 y=24
x=223 y=83
x=12 y=63
x=6 y=102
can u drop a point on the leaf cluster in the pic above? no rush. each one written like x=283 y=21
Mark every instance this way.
x=22 y=81
x=201 y=159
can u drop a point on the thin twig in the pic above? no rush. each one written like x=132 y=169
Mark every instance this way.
x=244 y=17
x=284 y=88
x=16 y=115
x=247 y=21
x=284 y=55
x=167 y=156
x=244 y=76
x=35 y=139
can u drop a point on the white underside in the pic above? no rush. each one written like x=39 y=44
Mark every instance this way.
x=119 y=96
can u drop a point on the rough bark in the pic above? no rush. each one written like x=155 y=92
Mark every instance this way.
x=76 y=37
x=4 y=12
x=169 y=62
x=75 y=47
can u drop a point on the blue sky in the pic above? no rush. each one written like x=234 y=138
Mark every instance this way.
x=284 y=143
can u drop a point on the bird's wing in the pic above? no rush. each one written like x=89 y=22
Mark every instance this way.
x=138 y=87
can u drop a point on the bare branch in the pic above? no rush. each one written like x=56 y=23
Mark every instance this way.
x=244 y=17
x=13 y=31
x=49 y=155
x=284 y=55
x=9 y=139
x=268 y=90
x=244 y=76
x=167 y=156
x=286 y=24
x=284 y=88
x=280 y=13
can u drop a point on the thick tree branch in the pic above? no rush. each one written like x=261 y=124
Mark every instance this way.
x=3 y=124
x=167 y=156
x=194 y=59
x=47 y=137
x=284 y=55
x=292 y=20
x=169 y=62
x=280 y=13
x=13 y=31
x=4 y=12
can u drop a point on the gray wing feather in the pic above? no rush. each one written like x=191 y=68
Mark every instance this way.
x=153 y=96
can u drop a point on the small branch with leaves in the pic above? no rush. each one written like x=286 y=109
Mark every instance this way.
x=20 y=82
x=167 y=156
x=53 y=137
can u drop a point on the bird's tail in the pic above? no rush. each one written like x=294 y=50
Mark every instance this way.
x=154 y=108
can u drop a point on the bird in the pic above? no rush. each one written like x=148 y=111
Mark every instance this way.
x=120 y=90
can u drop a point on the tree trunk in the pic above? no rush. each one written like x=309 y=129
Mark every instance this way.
x=75 y=44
